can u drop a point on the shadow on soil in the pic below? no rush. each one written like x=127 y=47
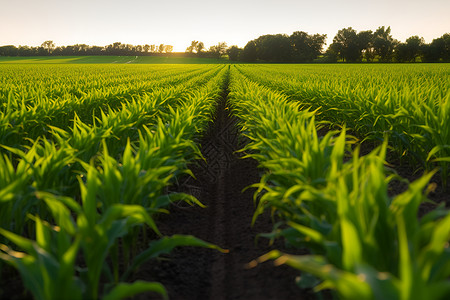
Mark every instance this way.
x=194 y=273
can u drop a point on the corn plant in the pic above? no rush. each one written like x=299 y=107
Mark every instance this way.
x=376 y=250
x=407 y=104
x=42 y=167
x=86 y=161
x=364 y=244
x=48 y=265
x=38 y=99
x=15 y=194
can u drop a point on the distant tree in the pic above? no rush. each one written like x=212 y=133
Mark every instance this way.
x=118 y=48
x=383 y=43
x=401 y=52
x=9 y=50
x=114 y=48
x=346 y=45
x=128 y=49
x=146 y=48
x=273 y=48
x=222 y=48
x=213 y=51
x=410 y=50
x=234 y=53
x=139 y=49
x=249 y=52
x=82 y=49
x=49 y=46
x=96 y=50
x=318 y=41
x=437 y=50
x=300 y=42
x=67 y=50
x=199 y=47
x=161 y=48
x=25 y=51
x=58 y=51
x=168 y=48
x=445 y=52
x=305 y=47
x=365 y=44
x=217 y=51
x=152 y=48
x=414 y=46
x=41 y=51
x=332 y=53
x=192 y=47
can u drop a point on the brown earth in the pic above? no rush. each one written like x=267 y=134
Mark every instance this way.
x=195 y=273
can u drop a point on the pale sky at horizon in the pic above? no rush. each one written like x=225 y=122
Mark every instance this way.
x=177 y=23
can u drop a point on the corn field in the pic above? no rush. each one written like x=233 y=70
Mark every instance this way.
x=88 y=154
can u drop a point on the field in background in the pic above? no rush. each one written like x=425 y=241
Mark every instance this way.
x=172 y=59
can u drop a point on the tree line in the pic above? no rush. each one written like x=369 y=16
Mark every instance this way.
x=198 y=49
x=300 y=47
x=48 y=48
x=352 y=46
x=348 y=46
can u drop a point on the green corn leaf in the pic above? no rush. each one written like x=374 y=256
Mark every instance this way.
x=61 y=213
x=405 y=264
x=119 y=211
x=43 y=235
x=383 y=285
x=312 y=234
x=23 y=243
x=351 y=244
x=348 y=285
x=173 y=197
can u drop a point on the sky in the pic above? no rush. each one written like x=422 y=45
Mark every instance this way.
x=177 y=22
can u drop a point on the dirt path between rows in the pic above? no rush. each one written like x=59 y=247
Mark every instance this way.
x=194 y=273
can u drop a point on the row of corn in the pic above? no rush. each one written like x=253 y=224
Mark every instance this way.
x=326 y=197
x=408 y=104
x=78 y=196
x=27 y=111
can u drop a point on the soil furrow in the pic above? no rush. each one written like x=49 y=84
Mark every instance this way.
x=193 y=273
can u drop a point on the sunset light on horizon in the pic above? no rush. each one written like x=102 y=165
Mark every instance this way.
x=178 y=23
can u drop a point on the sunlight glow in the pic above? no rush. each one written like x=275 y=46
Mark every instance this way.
x=177 y=23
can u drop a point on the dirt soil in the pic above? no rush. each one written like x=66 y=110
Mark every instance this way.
x=195 y=273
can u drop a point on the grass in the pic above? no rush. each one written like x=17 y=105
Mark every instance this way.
x=169 y=59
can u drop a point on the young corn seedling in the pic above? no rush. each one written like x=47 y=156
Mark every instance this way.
x=15 y=194
x=406 y=260
x=405 y=103
x=48 y=265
